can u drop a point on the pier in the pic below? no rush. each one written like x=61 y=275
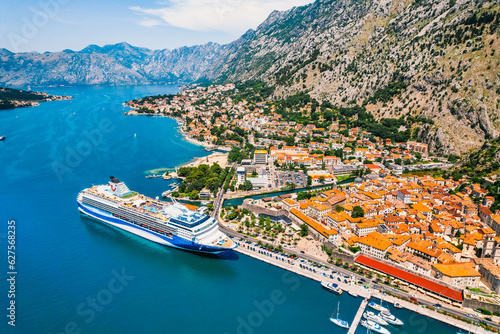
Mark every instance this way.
x=357 y=318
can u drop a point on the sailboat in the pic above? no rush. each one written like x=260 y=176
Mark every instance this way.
x=337 y=321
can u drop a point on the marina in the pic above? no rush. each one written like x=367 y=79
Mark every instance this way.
x=317 y=274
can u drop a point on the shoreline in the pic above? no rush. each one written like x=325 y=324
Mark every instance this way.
x=180 y=123
x=195 y=161
x=361 y=291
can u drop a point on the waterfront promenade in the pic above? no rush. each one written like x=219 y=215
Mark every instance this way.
x=308 y=270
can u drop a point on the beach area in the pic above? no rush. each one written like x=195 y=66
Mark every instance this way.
x=219 y=158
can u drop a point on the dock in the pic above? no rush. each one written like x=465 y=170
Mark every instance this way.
x=357 y=318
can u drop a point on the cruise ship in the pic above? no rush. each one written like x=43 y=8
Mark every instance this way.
x=171 y=224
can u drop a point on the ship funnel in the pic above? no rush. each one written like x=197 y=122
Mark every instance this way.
x=114 y=179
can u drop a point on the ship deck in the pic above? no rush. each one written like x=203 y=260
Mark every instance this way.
x=228 y=243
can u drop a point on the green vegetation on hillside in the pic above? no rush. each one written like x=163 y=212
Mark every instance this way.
x=480 y=163
x=8 y=95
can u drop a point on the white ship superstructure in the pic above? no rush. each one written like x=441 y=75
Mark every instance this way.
x=173 y=225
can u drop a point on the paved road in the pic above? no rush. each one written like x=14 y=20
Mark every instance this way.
x=219 y=200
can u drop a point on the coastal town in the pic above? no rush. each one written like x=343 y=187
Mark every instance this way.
x=379 y=208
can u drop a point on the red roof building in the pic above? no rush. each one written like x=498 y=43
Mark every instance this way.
x=423 y=283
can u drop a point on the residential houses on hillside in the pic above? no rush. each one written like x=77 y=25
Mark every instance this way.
x=202 y=109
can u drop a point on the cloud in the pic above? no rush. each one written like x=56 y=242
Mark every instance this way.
x=230 y=16
x=150 y=22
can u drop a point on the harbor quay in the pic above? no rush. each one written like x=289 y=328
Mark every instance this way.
x=311 y=271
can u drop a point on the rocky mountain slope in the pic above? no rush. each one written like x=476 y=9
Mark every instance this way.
x=430 y=58
x=111 y=64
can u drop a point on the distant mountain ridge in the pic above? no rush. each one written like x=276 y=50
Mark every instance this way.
x=429 y=59
x=115 y=64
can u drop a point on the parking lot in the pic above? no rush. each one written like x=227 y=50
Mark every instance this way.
x=297 y=178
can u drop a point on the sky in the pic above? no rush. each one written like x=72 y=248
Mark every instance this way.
x=55 y=25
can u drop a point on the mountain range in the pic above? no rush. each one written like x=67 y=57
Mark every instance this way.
x=117 y=64
x=431 y=59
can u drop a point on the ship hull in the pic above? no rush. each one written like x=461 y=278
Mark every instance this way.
x=170 y=241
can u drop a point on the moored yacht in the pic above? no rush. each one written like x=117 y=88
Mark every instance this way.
x=390 y=318
x=397 y=305
x=332 y=287
x=352 y=293
x=377 y=307
x=373 y=317
x=373 y=326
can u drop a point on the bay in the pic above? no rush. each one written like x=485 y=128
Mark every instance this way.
x=76 y=275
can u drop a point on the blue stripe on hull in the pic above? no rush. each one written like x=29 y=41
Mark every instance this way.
x=173 y=241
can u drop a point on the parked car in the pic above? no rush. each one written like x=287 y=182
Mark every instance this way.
x=414 y=299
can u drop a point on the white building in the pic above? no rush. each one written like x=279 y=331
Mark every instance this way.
x=241 y=175
x=260 y=157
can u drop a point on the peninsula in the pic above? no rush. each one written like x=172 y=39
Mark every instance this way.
x=15 y=98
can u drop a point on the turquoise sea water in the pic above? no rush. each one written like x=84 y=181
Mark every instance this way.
x=76 y=275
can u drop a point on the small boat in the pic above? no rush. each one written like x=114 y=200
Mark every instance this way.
x=373 y=326
x=397 y=305
x=373 y=317
x=353 y=293
x=2 y=138
x=337 y=321
x=377 y=307
x=332 y=287
x=387 y=316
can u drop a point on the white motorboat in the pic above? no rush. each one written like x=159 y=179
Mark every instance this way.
x=373 y=326
x=353 y=293
x=332 y=287
x=377 y=307
x=373 y=317
x=387 y=316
